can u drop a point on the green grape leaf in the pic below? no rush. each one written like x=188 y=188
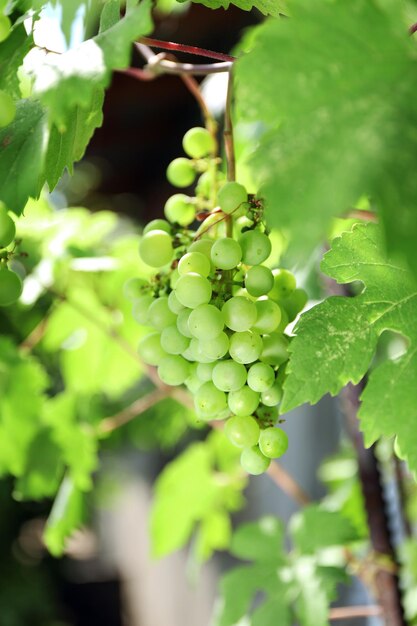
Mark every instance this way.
x=12 y=52
x=259 y=541
x=66 y=516
x=315 y=528
x=312 y=604
x=68 y=145
x=189 y=491
x=20 y=412
x=333 y=128
x=335 y=341
x=69 y=80
x=43 y=470
x=22 y=154
x=267 y=7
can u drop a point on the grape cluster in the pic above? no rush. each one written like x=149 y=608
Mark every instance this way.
x=10 y=283
x=218 y=313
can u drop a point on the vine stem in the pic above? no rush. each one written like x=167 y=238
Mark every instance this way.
x=159 y=64
x=179 y=47
x=346 y=612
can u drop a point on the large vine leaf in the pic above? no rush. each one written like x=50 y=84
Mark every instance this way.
x=267 y=7
x=66 y=81
x=23 y=149
x=333 y=126
x=12 y=53
x=335 y=341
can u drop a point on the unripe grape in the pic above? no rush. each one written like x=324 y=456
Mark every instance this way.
x=242 y=431
x=7 y=228
x=7 y=109
x=196 y=353
x=181 y=172
x=268 y=316
x=204 y=371
x=239 y=313
x=273 y=442
x=205 y=322
x=226 y=253
x=245 y=347
x=172 y=341
x=192 y=290
x=5 y=27
x=157 y=224
x=231 y=196
x=272 y=396
x=260 y=377
x=173 y=370
x=174 y=304
x=295 y=303
x=160 y=315
x=11 y=286
x=182 y=322
x=136 y=288
x=203 y=245
x=150 y=349
x=256 y=247
x=253 y=461
x=180 y=209
x=216 y=347
x=259 y=280
x=244 y=401
x=140 y=310
x=229 y=375
x=194 y=262
x=155 y=248
x=209 y=400
x=267 y=414
x=284 y=284
x=275 y=350
x=198 y=142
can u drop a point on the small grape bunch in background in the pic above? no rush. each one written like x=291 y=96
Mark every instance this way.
x=11 y=285
x=218 y=313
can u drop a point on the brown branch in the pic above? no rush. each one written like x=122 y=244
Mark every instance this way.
x=346 y=612
x=160 y=64
x=228 y=132
x=179 y=47
x=35 y=336
x=131 y=412
x=288 y=484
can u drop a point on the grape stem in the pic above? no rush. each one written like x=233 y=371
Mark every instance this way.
x=179 y=47
x=346 y=612
x=159 y=64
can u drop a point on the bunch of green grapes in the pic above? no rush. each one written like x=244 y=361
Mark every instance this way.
x=217 y=312
x=10 y=283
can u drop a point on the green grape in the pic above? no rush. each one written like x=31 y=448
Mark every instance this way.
x=245 y=347
x=192 y=290
x=256 y=247
x=173 y=279
x=209 y=401
x=136 y=288
x=205 y=184
x=216 y=347
x=204 y=371
x=196 y=262
x=261 y=377
x=172 y=341
x=140 y=309
x=160 y=315
x=174 y=304
x=272 y=396
x=182 y=322
x=180 y=209
x=229 y=375
x=275 y=350
x=239 y=313
x=196 y=353
x=205 y=322
x=267 y=414
x=203 y=245
x=11 y=286
x=157 y=224
x=181 y=172
x=268 y=316
x=7 y=109
x=198 y=142
x=242 y=431
x=231 y=196
x=284 y=321
x=284 y=285
x=259 y=280
x=173 y=370
x=295 y=303
x=5 y=27
x=273 y=442
x=193 y=383
x=150 y=349
x=253 y=461
x=244 y=401
x=226 y=253
x=155 y=248
x=7 y=228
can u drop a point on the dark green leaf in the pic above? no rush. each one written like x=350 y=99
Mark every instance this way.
x=315 y=528
x=267 y=7
x=43 y=470
x=12 y=53
x=259 y=541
